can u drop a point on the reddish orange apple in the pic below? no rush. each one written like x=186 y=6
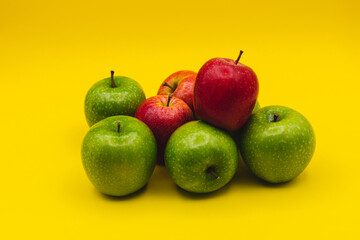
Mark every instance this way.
x=181 y=85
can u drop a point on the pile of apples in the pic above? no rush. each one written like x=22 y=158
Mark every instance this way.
x=195 y=126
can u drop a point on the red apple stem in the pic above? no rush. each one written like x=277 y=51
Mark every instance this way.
x=276 y=116
x=169 y=98
x=213 y=173
x=112 y=79
x=238 y=58
x=118 y=125
x=167 y=85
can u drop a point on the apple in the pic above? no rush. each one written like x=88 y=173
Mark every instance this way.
x=181 y=85
x=276 y=143
x=112 y=96
x=201 y=158
x=163 y=115
x=119 y=155
x=225 y=92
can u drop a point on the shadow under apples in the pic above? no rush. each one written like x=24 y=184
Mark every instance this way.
x=122 y=198
x=201 y=196
x=160 y=182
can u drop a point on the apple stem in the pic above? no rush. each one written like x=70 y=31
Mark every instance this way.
x=112 y=79
x=167 y=85
x=276 y=116
x=118 y=125
x=237 y=60
x=169 y=98
x=213 y=173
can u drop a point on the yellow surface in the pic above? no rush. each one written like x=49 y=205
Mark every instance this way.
x=306 y=56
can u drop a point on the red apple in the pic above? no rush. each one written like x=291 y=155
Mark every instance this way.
x=181 y=85
x=225 y=92
x=163 y=115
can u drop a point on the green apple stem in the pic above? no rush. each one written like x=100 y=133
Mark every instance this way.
x=276 y=116
x=118 y=125
x=169 y=98
x=237 y=60
x=167 y=85
x=213 y=173
x=112 y=79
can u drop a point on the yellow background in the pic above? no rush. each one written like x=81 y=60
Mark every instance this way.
x=305 y=53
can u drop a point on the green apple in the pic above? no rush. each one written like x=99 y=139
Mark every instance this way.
x=201 y=158
x=112 y=96
x=119 y=155
x=276 y=143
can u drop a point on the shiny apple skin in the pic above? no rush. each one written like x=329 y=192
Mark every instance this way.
x=183 y=83
x=225 y=93
x=163 y=120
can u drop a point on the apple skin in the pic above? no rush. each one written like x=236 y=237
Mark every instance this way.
x=182 y=83
x=196 y=147
x=103 y=101
x=163 y=120
x=119 y=163
x=225 y=93
x=276 y=151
